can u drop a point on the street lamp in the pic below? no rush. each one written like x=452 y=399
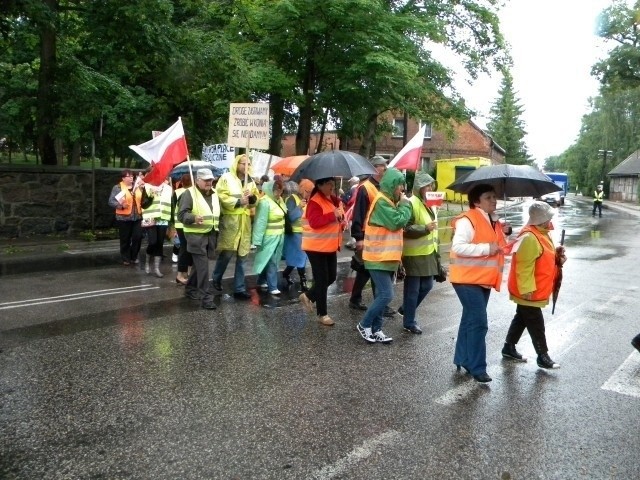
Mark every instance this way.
x=604 y=154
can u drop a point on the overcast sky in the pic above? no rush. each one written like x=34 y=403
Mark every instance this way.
x=553 y=45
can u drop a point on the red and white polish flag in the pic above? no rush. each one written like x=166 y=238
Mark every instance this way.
x=409 y=157
x=434 y=199
x=163 y=152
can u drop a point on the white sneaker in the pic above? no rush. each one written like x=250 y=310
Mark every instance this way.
x=263 y=286
x=365 y=333
x=380 y=337
x=174 y=258
x=275 y=292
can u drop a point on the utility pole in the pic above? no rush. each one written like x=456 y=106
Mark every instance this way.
x=604 y=154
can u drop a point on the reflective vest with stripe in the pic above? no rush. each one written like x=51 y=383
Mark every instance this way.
x=296 y=225
x=371 y=189
x=425 y=245
x=544 y=270
x=210 y=215
x=598 y=196
x=486 y=270
x=161 y=206
x=324 y=239
x=177 y=223
x=129 y=199
x=275 y=221
x=236 y=190
x=380 y=243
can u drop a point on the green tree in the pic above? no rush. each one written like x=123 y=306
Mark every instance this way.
x=506 y=125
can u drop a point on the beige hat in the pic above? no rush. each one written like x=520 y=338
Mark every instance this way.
x=354 y=180
x=539 y=213
x=378 y=160
x=205 y=174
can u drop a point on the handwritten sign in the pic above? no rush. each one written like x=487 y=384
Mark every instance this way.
x=219 y=155
x=249 y=124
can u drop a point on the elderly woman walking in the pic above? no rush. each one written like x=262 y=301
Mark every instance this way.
x=294 y=256
x=268 y=235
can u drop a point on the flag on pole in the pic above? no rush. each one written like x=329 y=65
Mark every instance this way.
x=434 y=199
x=163 y=153
x=409 y=157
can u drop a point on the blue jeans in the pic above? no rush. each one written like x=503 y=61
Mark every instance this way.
x=384 y=294
x=414 y=291
x=270 y=274
x=471 y=348
x=221 y=265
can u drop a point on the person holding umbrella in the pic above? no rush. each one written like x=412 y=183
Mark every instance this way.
x=475 y=267
x=531 y=278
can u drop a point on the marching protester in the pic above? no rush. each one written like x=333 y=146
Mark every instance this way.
x=268 y=235
x=236 y=201
x=388 y=215
x=475 y=267
x=531 y=280
x=184 y=257
x=598 y=196
x=321 y=239
x=126 y=199
x=418 y=252
x=294 y=256
x=364 y=198
x=155 y=221
x=199 y=213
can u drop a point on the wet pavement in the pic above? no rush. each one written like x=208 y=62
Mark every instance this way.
x=106 y=372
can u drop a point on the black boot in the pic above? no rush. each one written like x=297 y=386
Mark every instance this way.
x=509 y=351
x=544 y=361
x=303 y=282
x=285 y=274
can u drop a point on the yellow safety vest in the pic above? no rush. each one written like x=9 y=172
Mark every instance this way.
x=275 y=221
x=426 y=245
x=177 y=223
x=296 y=226
x=211 y=215
x=161 y=206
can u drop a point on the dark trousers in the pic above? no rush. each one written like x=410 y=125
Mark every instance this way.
x=184 y=257
x=362 y=277
x=155 y=239
x=199 y=279
x=530 y=318
x=597 y=205
x=324 y=267
x=130 y=239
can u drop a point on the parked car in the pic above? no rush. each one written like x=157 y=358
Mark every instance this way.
x=552 y=199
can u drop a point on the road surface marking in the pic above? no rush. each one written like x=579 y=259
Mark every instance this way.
x=626 y=379
x=456 y=394
x=356 y=455
x=75 y=296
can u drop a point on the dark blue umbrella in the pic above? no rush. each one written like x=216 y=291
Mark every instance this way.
x=196 y=165
x=333 y=163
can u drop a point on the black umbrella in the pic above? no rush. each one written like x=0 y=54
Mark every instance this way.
x=508 y=181
x=333 y=163
x=196 y=165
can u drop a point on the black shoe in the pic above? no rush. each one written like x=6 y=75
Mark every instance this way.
x=509 y=351
x=192 y=295
x=357 y=306
x=401 y=311
x=217 y=286
x=482 y=378
x=209 y=306
x=388 y=312
x=414 y=329
x=636 y=343
x=287 y=279
x=242 y=295
x=466 y=370
x=544 y=361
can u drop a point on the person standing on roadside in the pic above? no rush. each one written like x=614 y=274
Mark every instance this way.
x=419 y=252
x=475 y=267
x=321 y=239
x=534 y=267
x=126 y=199
x=199 y=213
x=598 y=196
x=155 y=221
x=184 y=257
x=364 y=197
x=236 y=202
x=383 y=239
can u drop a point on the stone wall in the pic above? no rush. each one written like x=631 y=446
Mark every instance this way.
x=54 y=200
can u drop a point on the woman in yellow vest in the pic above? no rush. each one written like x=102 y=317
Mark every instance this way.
x=475 y=267
x=155 y=221
x=388 y=214
x=321 y=240
x=419 y=252
x=268 y=235
x=533 y=271
x=294 y=256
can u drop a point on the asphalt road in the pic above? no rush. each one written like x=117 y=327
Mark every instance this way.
x=109 y=373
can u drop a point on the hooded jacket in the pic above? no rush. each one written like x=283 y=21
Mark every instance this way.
x=268 y=228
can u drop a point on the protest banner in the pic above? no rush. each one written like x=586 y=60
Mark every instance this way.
x=261 y=163
x=219 y=155
x=249 y=125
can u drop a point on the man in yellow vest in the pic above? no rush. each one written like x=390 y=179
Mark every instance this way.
x=598 y=196
x=199 y=213
x=236 y=201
